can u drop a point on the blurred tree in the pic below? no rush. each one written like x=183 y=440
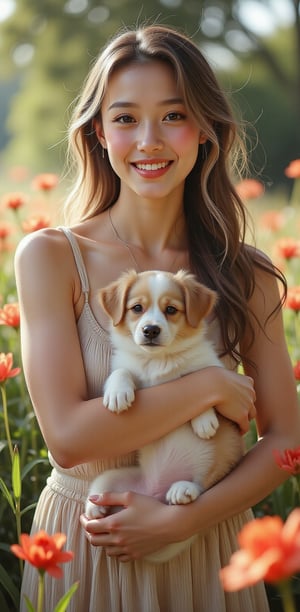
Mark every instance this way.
x=51 y=43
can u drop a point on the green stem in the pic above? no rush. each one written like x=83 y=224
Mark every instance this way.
x=41 y=592
x=6 y=421
x=285 y=591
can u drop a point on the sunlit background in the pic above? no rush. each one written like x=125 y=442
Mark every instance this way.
x=46 y=48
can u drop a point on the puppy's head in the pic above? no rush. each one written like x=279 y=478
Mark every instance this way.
x=154 y=308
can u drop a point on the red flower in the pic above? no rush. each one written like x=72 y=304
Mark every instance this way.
x=297 y=370
x=14 y=200
x=289 y=460
x=249 y=189
x=293 y=169
x=43 y=551
x=293 y=298
x=288 y=248
x=6 y=369
x=10 y=315
x=45 y=182
x=270 y=551
x=4 y=231
x=35 y=223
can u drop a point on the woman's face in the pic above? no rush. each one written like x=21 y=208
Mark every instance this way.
x=151 y=138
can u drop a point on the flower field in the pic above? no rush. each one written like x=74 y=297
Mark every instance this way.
x=28 y=204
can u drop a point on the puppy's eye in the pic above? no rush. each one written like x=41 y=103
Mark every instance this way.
x=171 y=310
x=137 y=308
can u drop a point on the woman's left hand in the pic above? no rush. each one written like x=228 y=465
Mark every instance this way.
x=142 y=526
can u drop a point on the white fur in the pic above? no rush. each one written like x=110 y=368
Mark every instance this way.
x=175 y=468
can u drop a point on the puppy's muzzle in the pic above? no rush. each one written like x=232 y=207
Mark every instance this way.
x=151 y=333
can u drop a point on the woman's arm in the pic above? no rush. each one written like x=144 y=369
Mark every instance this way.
x=278 y=423
x=75 y=428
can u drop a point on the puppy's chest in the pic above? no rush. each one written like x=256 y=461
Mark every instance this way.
x=147 y=373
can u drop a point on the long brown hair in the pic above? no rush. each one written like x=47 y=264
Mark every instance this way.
x=215 y=215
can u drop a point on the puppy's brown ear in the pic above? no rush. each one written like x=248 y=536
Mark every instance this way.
x=113 y=298
x=199 y=299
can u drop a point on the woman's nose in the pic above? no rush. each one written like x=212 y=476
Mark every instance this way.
x=150 y=138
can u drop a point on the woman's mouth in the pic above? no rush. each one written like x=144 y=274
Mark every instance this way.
x=152 y=168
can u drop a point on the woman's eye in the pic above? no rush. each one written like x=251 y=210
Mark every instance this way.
x=137 y=308
x=124 y=119
x=175 y=116
x=171 y=310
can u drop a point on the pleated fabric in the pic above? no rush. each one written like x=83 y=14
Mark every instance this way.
x=188 y=583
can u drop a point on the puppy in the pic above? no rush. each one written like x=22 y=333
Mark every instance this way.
x=158 y=334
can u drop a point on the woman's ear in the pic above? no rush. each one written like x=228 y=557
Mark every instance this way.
x=202 y=139
x=99 y=133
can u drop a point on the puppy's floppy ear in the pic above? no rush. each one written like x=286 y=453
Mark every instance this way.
x=113 y=298
x=199 y=299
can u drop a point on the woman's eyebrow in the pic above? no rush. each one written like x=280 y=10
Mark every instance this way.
x=125 y=104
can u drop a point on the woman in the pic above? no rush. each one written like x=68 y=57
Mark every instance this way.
x=152 y=138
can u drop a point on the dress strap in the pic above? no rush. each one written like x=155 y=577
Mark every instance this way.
x=80 y=265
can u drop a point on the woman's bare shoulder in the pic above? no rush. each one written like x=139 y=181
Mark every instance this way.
x=44 y=242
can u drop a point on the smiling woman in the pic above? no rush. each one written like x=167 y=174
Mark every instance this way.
x=152 y=138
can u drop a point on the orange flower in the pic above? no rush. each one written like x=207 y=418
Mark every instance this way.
x=272 y=220
x=18 y=173
x=45 y=182
x=249 y=189
x=297 y=370
x=289 y=460
x=270 y=551
x=293 y=298
x=14 y=200
x=10 y=315
x=293 y=169
x=288 y=248
x=43 y=551
x=35 y=223
x=6 y=369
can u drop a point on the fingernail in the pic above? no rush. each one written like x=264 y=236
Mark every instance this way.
x=95 y=498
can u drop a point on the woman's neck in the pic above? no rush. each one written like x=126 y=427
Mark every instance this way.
x=150 y=226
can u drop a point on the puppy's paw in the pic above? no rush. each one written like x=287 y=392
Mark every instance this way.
x=206 y=425
x=119 y=391
x=183 y=492
x=94 y=511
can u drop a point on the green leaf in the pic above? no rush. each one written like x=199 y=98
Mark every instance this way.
x=29 y=605
x=16 y=474
x=4 y=606
x=32 y=464
x=7 y=494
x=30 y=507
x=9 y=586
x=64 y=601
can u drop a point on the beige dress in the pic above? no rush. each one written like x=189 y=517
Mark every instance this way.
x=188 y=583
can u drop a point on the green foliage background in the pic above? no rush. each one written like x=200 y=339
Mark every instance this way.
x=65 y=36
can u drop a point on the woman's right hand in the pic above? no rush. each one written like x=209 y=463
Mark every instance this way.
x=236 y=398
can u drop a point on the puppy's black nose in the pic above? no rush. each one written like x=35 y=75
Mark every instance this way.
x=151 y=331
